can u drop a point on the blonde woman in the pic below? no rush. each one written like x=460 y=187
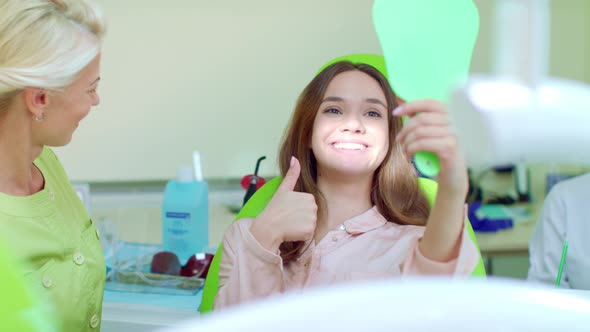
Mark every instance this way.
x=49 y=74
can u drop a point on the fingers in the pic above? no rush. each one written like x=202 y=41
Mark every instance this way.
x=427 y=106
x=290 y=179
x=427 y=128
x=423 y=123
x=444 y=147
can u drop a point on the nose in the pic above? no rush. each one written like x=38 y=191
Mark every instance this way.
x=353 y=123
x=96 y=100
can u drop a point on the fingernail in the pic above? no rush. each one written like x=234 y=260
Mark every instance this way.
x=397 y=110
x=292 y=161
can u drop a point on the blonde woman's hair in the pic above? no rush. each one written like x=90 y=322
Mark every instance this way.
x=46 y=43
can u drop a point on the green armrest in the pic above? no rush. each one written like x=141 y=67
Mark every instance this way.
x=258 y=202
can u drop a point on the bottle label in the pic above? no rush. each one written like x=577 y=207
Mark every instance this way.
x=180 y=215
x=177 y=227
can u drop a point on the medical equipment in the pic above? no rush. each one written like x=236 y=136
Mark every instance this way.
x=518 y=114
x=252 y=182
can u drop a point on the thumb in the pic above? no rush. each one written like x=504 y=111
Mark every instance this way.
x=290 y=179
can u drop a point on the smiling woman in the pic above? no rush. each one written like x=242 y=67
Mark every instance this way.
x=61 y=111
x=350 y=130
x=350 y=207
x=49 y=73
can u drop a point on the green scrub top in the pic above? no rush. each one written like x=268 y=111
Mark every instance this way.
x=20 y=309
x=58 y=246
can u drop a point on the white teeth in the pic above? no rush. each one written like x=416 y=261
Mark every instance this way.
x=349 y=146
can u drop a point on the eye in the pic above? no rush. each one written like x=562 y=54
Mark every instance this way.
x=332 y=110
x=374 y=114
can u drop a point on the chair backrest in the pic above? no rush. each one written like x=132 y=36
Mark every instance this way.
x=258 y=202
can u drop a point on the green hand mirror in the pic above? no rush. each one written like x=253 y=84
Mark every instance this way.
x=427 y=46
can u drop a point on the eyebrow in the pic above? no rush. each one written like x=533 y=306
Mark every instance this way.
x=375 y=101
x=95 y=81
x=369 y=100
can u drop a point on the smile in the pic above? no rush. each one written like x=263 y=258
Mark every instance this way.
x=349 y=146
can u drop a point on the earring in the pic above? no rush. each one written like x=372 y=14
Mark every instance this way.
x=40 y=118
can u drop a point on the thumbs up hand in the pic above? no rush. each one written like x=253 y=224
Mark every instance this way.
x=289 y=216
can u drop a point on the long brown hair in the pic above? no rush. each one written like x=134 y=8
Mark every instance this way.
x=395 y=190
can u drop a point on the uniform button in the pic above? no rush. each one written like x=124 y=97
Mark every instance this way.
x=334 y=239
x=94 y=320
x=47 y=282
x=78 y=258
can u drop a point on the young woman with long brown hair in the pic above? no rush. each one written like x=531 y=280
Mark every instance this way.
x=350 y=206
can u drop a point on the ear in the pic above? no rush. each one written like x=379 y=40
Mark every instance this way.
x=36 y=100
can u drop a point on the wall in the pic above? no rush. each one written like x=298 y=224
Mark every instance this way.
x=219 y=77
x=222 y=78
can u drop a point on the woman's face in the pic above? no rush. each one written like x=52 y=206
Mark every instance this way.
x=66 y=109
x=351 y=132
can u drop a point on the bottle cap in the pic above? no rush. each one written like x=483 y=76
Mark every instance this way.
x=185 y=174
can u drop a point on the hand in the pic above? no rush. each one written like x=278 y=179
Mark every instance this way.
x=427 y=129
x=289 y=216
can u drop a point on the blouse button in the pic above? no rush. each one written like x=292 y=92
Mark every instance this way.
x=47 y=282
x=334 y=239
x=94 y=320
x=343 y=227
x=78 y=258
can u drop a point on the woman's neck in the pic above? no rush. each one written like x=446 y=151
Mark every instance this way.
x=345 y=197
x=19 y=177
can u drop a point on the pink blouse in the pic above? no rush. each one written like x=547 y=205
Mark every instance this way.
x=364 y=247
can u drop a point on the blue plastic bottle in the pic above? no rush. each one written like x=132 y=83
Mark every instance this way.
x=185 y=215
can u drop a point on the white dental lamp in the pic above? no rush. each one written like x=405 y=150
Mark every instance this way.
x=519 y=114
